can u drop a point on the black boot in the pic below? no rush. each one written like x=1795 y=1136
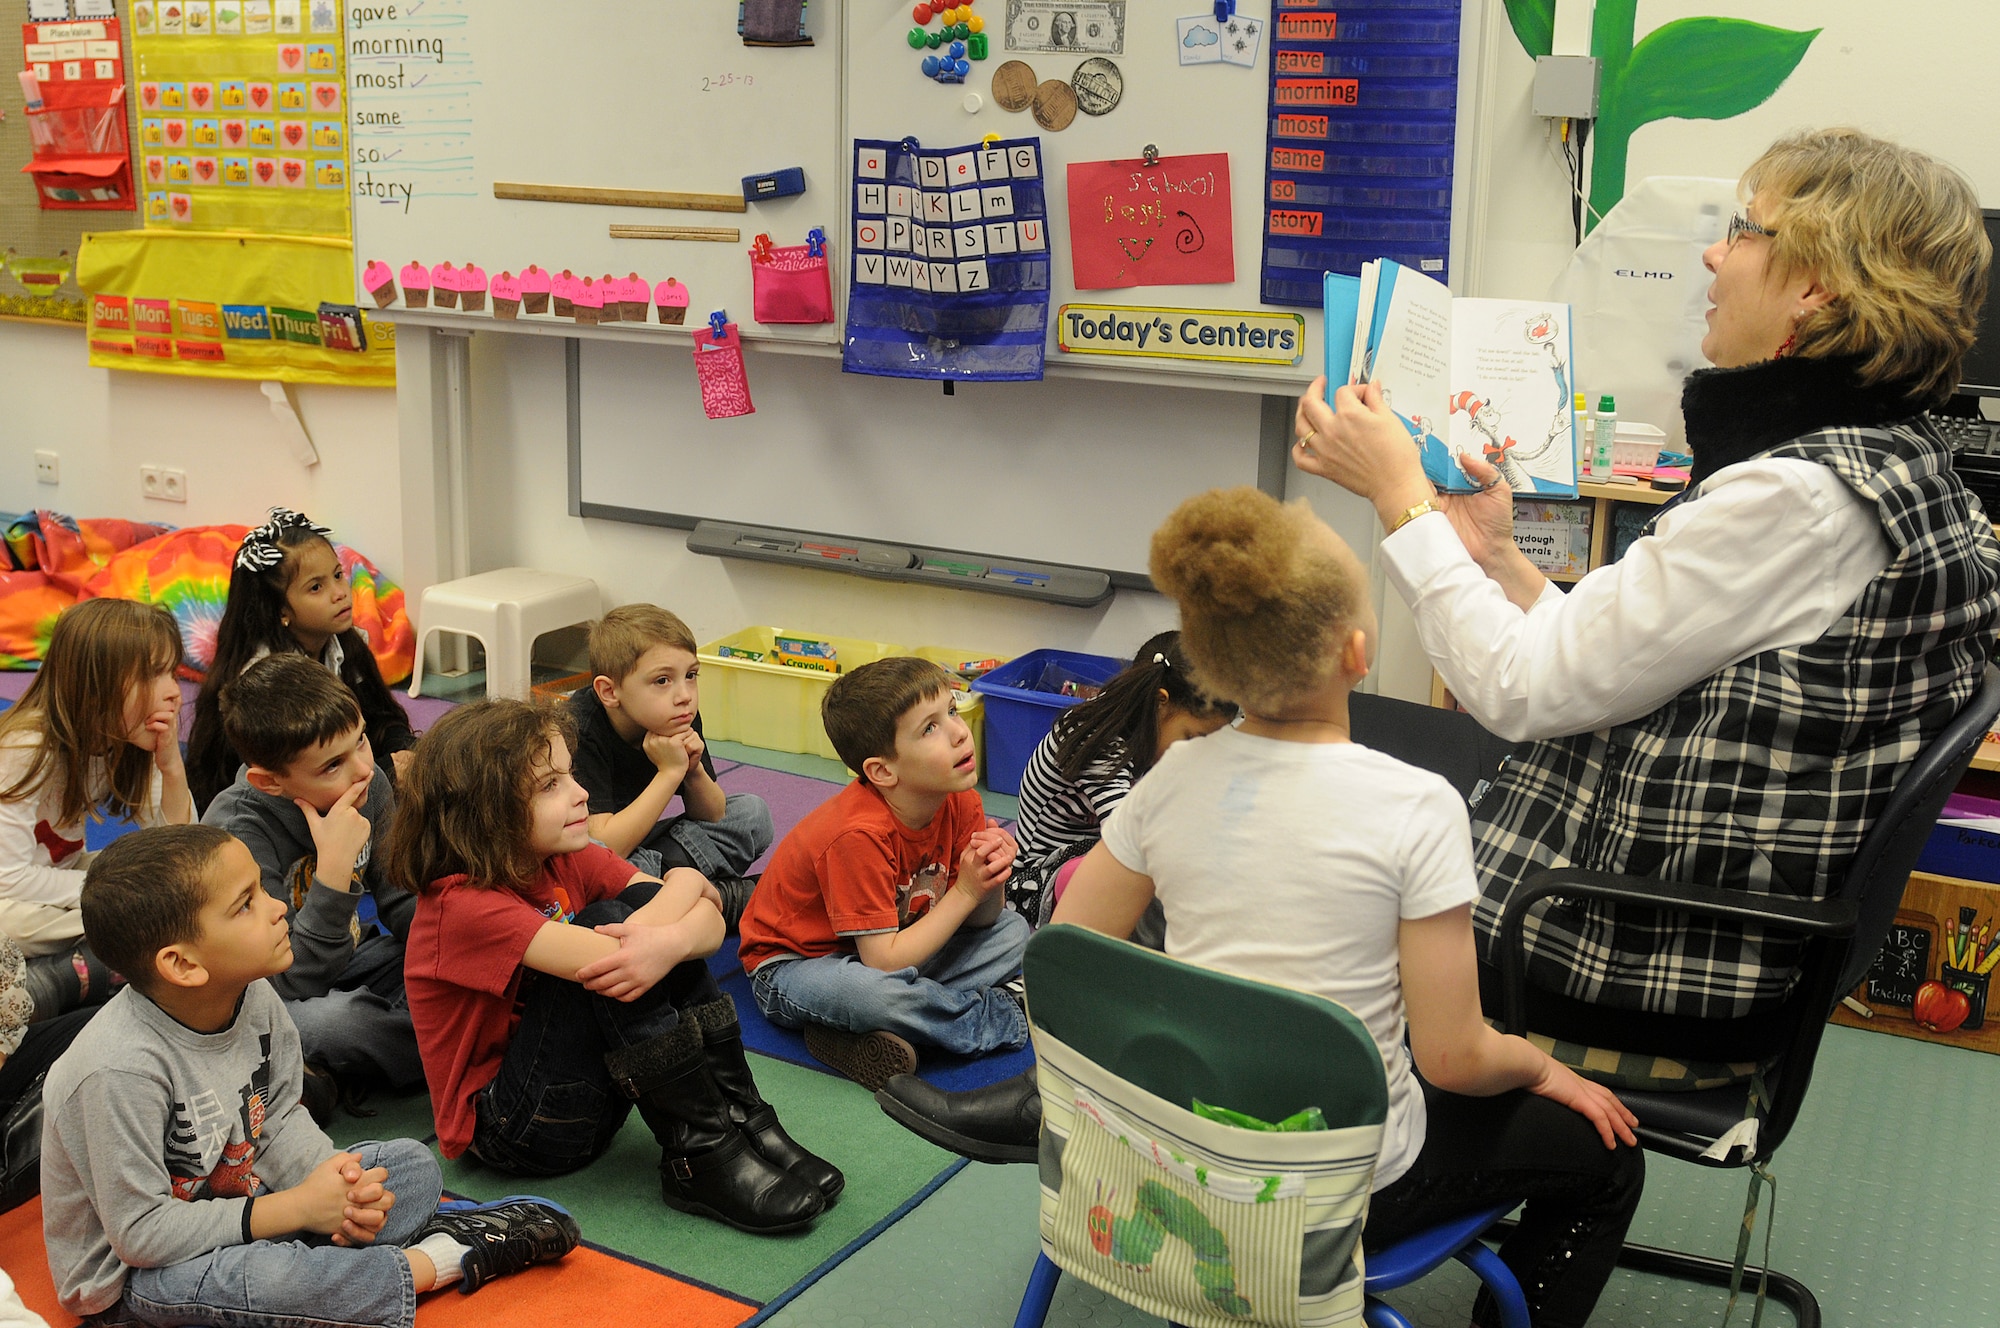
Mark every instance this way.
x=998 y=1123
x=735 y=892
x=709 y=1167
x=722 y=1043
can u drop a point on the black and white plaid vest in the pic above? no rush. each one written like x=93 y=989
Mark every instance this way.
x=1763 y=777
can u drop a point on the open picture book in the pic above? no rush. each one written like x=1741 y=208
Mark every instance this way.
x=1488 y=377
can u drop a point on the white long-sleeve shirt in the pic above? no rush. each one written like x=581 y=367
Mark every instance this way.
x=34 y=845
x=1771 y=554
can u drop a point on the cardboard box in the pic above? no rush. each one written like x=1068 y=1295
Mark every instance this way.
x=1915 y=974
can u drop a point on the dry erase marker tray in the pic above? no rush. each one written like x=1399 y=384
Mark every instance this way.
x=899 y=562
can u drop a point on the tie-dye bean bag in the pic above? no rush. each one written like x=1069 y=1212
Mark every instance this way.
x=188 y=572
x=50 y=557
x=63 y=560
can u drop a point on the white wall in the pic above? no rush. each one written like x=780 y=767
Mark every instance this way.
x=106 y=425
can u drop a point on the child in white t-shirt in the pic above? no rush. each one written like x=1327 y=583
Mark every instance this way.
x=1282 y=851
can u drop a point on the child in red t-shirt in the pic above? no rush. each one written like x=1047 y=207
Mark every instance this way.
x=552 y=986
x=879 y=922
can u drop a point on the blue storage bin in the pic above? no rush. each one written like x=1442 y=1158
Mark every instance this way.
x=1019 y=715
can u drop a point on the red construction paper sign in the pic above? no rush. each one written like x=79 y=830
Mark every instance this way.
x=1164 y=224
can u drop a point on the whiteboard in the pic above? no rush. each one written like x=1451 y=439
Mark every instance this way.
x=616 y=94
x=1182 y=110
x=1065 y=471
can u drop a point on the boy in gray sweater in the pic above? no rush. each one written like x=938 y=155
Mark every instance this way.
x=182 y=1180
x=312 y=807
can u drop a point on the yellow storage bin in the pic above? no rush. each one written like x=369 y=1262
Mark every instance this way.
x=776 y=706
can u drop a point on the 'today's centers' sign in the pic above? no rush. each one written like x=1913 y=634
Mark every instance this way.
x=1233 y=335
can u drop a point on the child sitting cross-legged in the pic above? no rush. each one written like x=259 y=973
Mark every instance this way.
x=554 y=987
x=1281 y=850
x=313 y=807
x=638 y=743
x=182 y=1180
x=878 y=923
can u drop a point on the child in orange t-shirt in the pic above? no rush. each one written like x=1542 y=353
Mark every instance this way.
x=879 y=922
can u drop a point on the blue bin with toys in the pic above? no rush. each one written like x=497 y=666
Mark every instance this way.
x=1023 y=698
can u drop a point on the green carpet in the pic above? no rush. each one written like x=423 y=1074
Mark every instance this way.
x=617 y=1198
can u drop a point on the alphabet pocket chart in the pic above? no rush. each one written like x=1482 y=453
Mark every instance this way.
x=951 y=261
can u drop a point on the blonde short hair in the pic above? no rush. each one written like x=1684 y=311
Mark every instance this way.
x=622 y=637
x=1897 y=238
x=1264 y=605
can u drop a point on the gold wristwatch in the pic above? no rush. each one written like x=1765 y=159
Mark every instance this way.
x=1427 y=505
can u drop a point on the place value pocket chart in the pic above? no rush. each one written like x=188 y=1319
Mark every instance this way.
x=950 y=276
x=1361 y=138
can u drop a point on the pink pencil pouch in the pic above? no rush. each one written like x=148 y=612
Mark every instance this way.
x=791 y=283
x=718 y=367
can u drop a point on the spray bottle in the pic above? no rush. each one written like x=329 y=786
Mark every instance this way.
x=1603 y=432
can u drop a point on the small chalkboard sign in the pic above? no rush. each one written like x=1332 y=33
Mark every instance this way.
x=1902 y=965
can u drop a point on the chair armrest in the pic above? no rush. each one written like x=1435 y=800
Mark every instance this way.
x=1811 y=917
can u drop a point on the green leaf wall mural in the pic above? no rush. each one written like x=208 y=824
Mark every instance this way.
x=1689 y=69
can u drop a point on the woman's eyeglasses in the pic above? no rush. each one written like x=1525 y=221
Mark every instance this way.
x=1740 y=226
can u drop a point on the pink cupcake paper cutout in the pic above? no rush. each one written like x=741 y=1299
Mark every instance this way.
x=563 y=288
x=611 y=309
x=416 y=285
x=380 y=279
x=444 y=285
x=535 y=290
x=635 y=294
x=506 y=296
x=588 y=302
x=472 y=288
x=672 y=299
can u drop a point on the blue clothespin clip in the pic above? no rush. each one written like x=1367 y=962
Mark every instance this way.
x=1224 y=10
x=718 y=322
x=816 y=243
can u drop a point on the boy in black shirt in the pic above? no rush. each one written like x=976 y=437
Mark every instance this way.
x=639 y=743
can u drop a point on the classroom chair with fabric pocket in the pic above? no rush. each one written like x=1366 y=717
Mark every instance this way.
x=1742 y=1125
x=1203 y=1223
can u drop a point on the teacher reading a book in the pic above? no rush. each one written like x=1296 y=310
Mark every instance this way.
x=1732 y=701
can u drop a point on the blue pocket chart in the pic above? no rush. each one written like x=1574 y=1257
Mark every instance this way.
x=950 y=276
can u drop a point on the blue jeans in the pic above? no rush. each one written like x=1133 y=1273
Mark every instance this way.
x=949 y=1002
x=304 y=1282
x=552 y=1107
x=362 y=1027
x=714 y=848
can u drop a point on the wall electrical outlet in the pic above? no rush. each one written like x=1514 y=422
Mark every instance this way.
x=48 y=468
x=169 y=486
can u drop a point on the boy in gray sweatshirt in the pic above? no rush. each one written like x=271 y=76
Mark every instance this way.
x=312 y=808
x=182 y=1180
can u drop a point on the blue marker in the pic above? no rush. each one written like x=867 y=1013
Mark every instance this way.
x=1019 y=576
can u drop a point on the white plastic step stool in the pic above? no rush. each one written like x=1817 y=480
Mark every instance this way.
x=505 y=611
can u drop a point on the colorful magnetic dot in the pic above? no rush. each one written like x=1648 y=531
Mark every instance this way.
x=976 y=23
x=916 y=38
x=931 y=66
x=921 y=14
x=957 y=49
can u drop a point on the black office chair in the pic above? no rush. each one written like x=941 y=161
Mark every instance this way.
x=1843 y=933
x=1445 y=742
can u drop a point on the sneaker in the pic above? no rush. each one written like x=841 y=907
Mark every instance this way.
x=735 y=892
x=869 y=1059
x=321 y=1094
x=504 y=1236
x=1017 y=987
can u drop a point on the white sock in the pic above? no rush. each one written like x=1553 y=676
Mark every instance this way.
x=444 y=1254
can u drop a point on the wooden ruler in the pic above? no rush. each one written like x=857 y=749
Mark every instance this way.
x=655 y=198
x=722 y=234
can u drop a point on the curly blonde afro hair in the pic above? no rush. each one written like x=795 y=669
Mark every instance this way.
x=1266 y=595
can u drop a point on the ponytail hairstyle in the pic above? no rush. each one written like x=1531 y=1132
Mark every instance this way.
x=75 y=706
x=1266 y=592
x=463 y=805
x=1121 y=723
x=253 y=621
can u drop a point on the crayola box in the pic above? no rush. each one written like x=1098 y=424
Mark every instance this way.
x=1934 y=974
